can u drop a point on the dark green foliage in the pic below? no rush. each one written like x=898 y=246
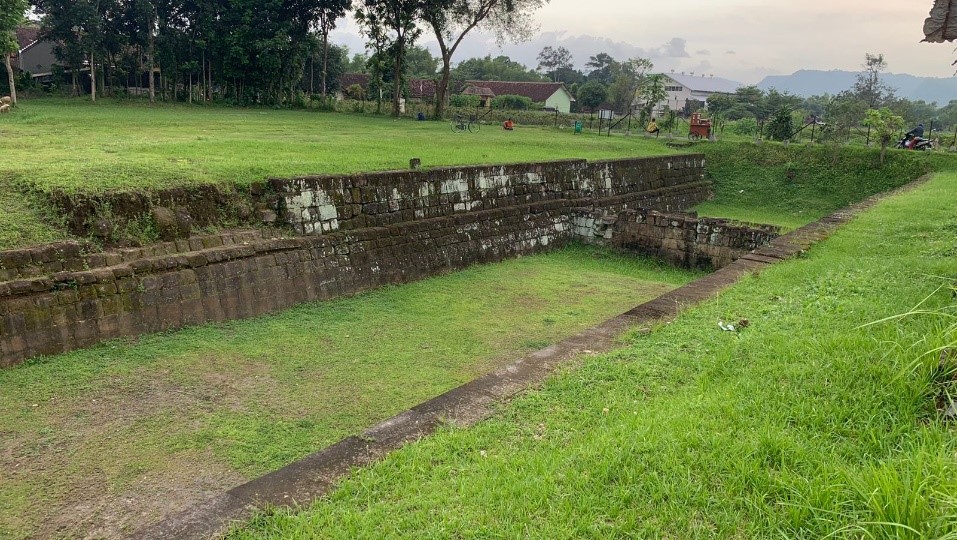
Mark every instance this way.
x=420 y=62
x=336 y=63
x=11 y=15
x=781 y=126
x=463 y=100
x=242 y=51
x=500 y=68
x=591 y=94
x=506 y=101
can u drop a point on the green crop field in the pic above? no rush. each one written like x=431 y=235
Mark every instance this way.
x=112 y=437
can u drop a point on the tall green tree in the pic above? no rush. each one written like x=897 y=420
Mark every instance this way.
x=420 y=63
x=885 y=125
x=74 y=28
x=591 y=95
x=11 y=15
x=141 y=28
x=328 y=13
x=394 y=23
x=552 y=60
x=623 y=90
x=452 y=20
x=650 y=92
x=870 y=86
x=603 y=68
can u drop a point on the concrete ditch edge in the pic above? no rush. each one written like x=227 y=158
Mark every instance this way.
x=316 y=474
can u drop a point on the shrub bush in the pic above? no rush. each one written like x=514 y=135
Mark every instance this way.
x=744 y=126
x=463 y=100
x=355 y=91
x=512 y=102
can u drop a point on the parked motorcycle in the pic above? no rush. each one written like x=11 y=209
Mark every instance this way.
x=915 y=143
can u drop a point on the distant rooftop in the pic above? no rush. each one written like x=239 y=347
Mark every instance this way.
x=536 y=91
x=698 y=83
x=26 y=36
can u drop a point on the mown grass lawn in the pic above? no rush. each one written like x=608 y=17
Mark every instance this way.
x=74 y=145
x=102 y=440
x=804 y=424
x=117 y=145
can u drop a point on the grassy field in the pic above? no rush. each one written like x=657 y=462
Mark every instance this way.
x=101 y=440
x=793 y=185
x=75 y=145
x=804 y=424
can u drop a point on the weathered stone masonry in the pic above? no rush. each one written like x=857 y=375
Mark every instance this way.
x=361 y=232
x=686 y=239
x=334 y=203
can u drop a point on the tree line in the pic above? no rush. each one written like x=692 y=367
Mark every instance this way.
x=247 y=51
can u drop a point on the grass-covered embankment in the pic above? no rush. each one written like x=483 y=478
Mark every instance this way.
x=797 y=184
x=115 y=436
x=804 y=424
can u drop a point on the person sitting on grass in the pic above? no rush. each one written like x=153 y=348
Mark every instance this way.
x=508 y=125
x=653 y=127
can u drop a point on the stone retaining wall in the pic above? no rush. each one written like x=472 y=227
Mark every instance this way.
x=684 y=239
x=61 y=297
x=329 y=203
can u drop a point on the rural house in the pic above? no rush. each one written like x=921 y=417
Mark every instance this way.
x=553 y=95
x=683 y=89
x=34 y=55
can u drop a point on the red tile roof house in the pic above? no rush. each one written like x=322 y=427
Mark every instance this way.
x=554 y=95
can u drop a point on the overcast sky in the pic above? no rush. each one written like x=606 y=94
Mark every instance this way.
x=742 y=40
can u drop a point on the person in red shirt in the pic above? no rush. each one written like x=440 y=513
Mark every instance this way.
x=508 y=125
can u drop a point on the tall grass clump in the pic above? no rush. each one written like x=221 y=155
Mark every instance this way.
x=911 y=495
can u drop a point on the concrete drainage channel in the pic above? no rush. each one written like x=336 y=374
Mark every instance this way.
x=317 y=474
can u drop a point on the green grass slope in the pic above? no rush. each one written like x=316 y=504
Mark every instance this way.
x=805 y=424
x=797 y=184
x=23 y=222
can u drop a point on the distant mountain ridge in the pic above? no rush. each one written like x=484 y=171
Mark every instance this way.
x=809 y=82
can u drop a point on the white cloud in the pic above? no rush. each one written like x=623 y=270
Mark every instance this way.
x=755 y=34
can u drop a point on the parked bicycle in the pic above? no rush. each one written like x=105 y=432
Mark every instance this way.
x=461 y=124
